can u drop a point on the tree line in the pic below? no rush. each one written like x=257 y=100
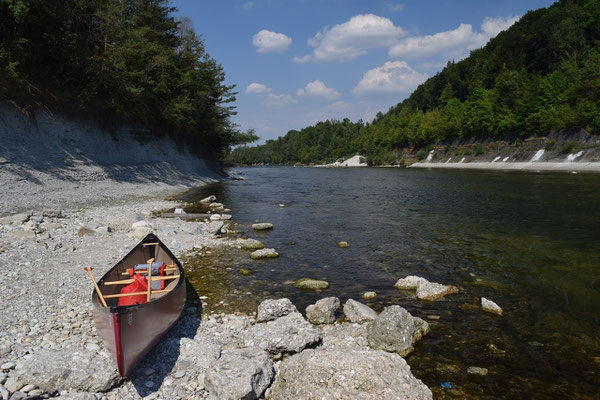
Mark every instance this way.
x=118 y=60
x=540 y=75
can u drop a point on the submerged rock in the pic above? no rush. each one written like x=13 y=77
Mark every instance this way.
x=262 y=226
x=245 y=271
x=239 y=374
x=395 y=329
x=358 y=312
x=369 y=295
x=251 y=244
x=343 y=244
x=425 y=290
x=270 y=310
x=490 y=306
x=347 y=374
x=209 y=199
x=477 y=371
x=264 y=253
x=323 y=311
x=311 y=284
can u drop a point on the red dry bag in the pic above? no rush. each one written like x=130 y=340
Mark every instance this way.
x=139 y=285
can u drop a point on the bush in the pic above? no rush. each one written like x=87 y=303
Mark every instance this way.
x=479 y=149
x=422 y=154
x=567 y=148
x=550 y=144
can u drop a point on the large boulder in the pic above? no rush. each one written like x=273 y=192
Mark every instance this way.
x=425 y=290
x=239 y=374
x=288 y=334
x=358 y=312
x=69 y=368
x=323 y=311
x=347 y=374
x=270 y=310
x=395 y=329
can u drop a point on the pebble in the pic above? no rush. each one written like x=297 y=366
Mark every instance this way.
x=477 y=371
x=27 y=388
x=92 y=347
x=369 y=295
x=7 y=365
x=2 y=378
x=13 y=384
x=343 y=244
x=179 y=374
x=168 y=381
x=149 y=384
x=36 y=392
x=148 y=371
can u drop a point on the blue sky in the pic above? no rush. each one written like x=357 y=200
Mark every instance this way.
x=299 y=62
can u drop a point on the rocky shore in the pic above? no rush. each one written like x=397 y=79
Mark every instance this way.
x=49 y=346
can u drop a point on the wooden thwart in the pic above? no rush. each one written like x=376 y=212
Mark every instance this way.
x=171 y=267
x=154 y=278
x=112 y=296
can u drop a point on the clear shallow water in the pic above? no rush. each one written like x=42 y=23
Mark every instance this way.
x=530 y=242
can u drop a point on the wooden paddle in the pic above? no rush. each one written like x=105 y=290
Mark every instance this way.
x=149 y=278
x=89 y=270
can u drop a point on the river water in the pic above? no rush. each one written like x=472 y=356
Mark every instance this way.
x=528 y=241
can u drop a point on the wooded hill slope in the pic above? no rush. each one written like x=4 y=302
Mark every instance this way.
x=540 y=75
x=118 y=61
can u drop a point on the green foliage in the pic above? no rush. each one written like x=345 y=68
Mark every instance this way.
x=478 y=149
x=421 y=154
x=539 y=76
x=550 y=144
x=567 y=147
x=123 y=60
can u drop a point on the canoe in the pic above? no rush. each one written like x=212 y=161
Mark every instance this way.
x=130 y=331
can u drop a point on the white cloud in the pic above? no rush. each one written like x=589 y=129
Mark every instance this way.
x=257 y=88
x=318 y=88
x=302 y=60
x=393 y=76
x=279 y=99
x=267 y=42
x=248 y=5
x=451 y=44
x=396 y=7
x=353 y=38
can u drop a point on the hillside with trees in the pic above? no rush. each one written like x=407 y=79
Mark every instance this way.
x=117 y=62
x=540 y=75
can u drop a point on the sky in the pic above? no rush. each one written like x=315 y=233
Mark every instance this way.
x=297 y=62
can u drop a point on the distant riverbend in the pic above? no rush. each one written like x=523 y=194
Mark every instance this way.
x=527 y=241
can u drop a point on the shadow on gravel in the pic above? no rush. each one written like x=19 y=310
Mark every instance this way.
x=149 y=375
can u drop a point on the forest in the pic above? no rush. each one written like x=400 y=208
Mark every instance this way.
x=117 y=61
x=540 y=75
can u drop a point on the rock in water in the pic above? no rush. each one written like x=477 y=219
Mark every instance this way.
x=311 y=284
x=323 y=311
x=425 y=290
x=209 y=199
x=343 y=244
x=215 y=227
x=264 y=253
x=251 y=244
x=288 y=334
x=358 y=312
x=270 y=310
x=239 y=374
x=369 y=295
x=347 y=374
x=395 y=329
x=263 y=226
x=477 y=371
x=490 y=306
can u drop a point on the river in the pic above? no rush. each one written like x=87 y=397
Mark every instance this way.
x=528 y=241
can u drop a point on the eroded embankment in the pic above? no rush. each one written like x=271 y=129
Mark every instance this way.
x=49 y=161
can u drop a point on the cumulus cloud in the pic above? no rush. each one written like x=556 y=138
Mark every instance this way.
x=257 y=88
x=318 y=88
x=393 y=76
x=353 y=38
x=271 y=42
x=279 y=99
x=454 y=43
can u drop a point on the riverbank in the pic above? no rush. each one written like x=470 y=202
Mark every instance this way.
x=515 y=166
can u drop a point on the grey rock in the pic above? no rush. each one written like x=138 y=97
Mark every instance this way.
x=104 y=229
x=179 y=211
x=52 y=213
x=490 y=306
x=215 y=227
x=92 y=347
x=225 y=217
x=251 y=244
x=323 y=311
x=344 y=335
x=27 y=388
x=16 y=219
x=179 y=374
x=269 y=310
x=343 y=244
x=215 y=205
x=18 y=396
x=36 y=392
x=262 y=226
x=425 y=290
x=13 y=384
x=311 y=284
x=69 y=368
x=215 y=217
x=288 y=334
x=84 y=230
x=208 y=199
x=141 y=232
x=347 y=374
x=358 y=312
x=477 y=371
x=202 y=352
x=239 y=374
x=369 y=295
x=2 y=378
x=264 y=253
x=395 y=329
x=7 y=365
x=148 y=371
x=140 y=224
x=4 y=393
